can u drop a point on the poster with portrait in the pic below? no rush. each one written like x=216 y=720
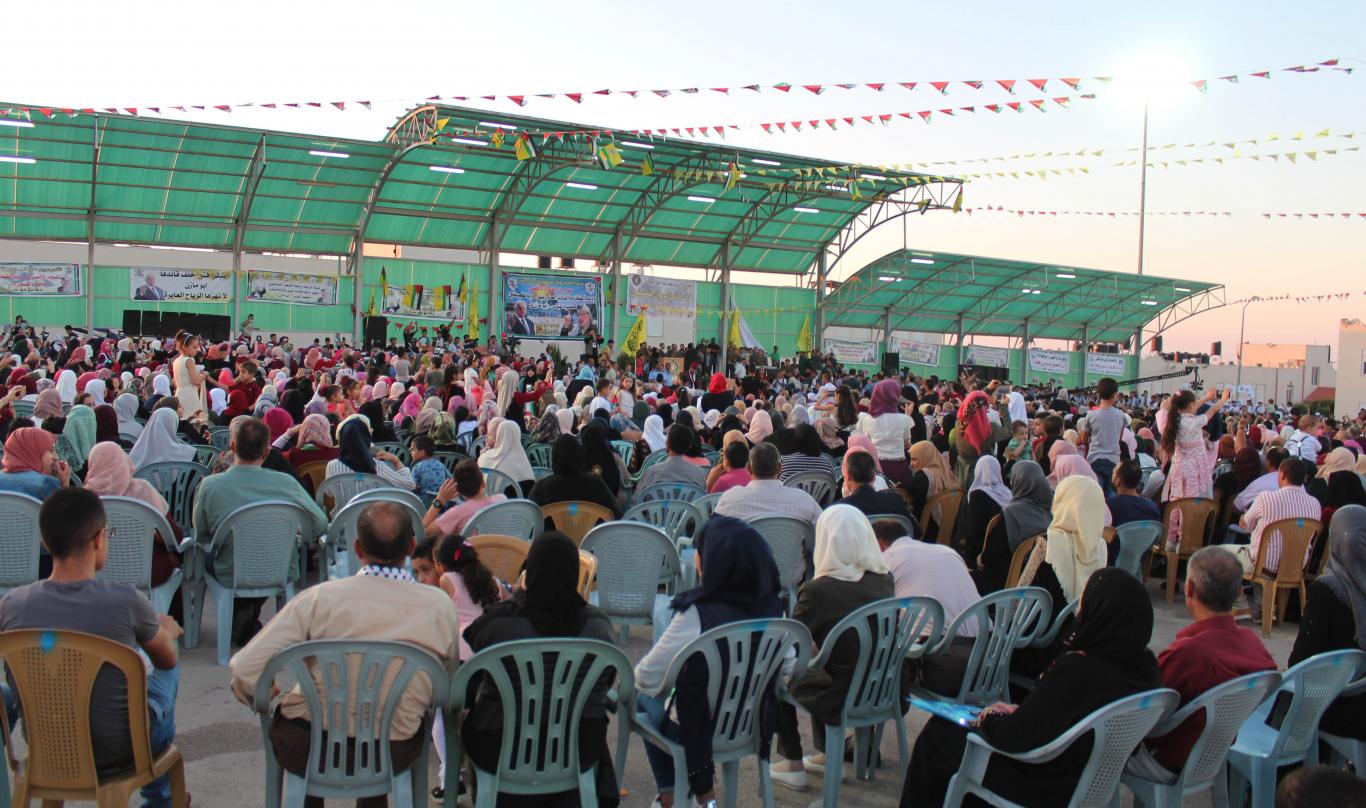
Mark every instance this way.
x=179 y=285
x=543 y=306
x=287 y=287
x=417 y=302
x=987 y=357
x=661 y=297
x=851 y=352
x=919 y=353
x=40 y=280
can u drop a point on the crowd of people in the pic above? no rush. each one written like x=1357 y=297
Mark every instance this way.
x=82 y=415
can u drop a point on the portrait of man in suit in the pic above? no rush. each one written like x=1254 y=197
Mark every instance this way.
x=518 y=322
x=149 y=289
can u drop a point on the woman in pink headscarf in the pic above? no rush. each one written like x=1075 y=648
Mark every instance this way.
x=312 y=444
x=862 y=443
x=760 y=427
x=1071 y=464
x=109 y=473
x=890 y=431
x=411 y=406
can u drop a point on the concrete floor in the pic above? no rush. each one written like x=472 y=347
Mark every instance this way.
x=221 y=738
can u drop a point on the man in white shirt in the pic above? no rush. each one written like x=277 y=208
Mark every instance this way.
x=1288 y=501
x=1302 y=443
x=765 y=495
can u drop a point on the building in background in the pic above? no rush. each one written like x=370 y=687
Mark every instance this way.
x=1286 y=373
x=1351 y=382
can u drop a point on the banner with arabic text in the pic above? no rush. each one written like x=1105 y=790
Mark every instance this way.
x=1105 y=364
x=179 y=285
x=40 y=280
x=1049 y=361
x=987 y=357
x=421 y=303
x=287 y=287
x=851 y=352
x=551 y=306
x=919 y=353
x=661 y=297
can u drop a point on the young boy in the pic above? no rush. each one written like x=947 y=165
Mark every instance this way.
x=428 y=472
x=424 y=563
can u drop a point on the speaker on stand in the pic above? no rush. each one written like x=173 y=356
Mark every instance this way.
x=376 y=330
x=891 y=362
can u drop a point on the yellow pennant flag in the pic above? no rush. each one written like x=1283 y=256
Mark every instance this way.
x=370 y=311
x=524 y=148
x=734 y=338
x=383 y=285
x=804 y=336
x=636 y=336
x=472 y=313
x=958 y=203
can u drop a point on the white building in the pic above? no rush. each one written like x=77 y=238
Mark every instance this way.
x=1351 y=383
x=1286 y=373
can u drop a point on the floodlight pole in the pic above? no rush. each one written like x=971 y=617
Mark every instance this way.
x=1142 y=216
x=1242 y=325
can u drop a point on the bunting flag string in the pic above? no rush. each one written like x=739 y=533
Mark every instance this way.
x=1112 y=214
x=1325 y=215
x=1293 y=158
x=941 y=88
x=1327 y=297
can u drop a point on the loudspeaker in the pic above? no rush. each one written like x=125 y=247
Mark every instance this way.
x=197 y=324
x=170 y=323
x=985 y=373
x=220 y=327
x=376 y=329
x=151 y=323
x=1217 y=349
x=543 y=262
x=566 y=263
x=891 y=362
x=132 y=322
x=1157 y=344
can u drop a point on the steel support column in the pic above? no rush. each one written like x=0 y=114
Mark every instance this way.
x=886 y=328
x=1085 y=349
x=90 y=229
x=1024 y=353
x=723 y=340
x=616 y=288
x=358 y=280
x=818 y=329
x=492 y=316
x=959 y=351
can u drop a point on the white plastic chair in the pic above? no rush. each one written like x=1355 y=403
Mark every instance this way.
x=515 y=517
x=633 y=559
x=339 y=559
x=20 y=540
x=176 y=481
x=792 y=542
x=818 y=484
x=341 y=488
x=397 y=495
x=135 y=526
x=1118 y=729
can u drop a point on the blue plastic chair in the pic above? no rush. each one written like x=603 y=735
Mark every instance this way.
x=650 y=459
x=1344 y=749
x=20 y=540
x=176 y=481
x=496 y=482
x=818 y=484
x=515 y=517
x=134 y=526
x=687 y=492
x=1135 y=539
x=905 y=522
x=706 y=505
x=888 y=632
x=544 y=687
x=366 y=679
x=448 y=459
x=339 y=558
x=1224 y=708
x=398 y=495
x=1116 y=730
x=624 y=449
x=633 y=560
x=477 y=445
x=735 y=695
x=539 y=454
x=342 y=488
x=265 y=536
x=678 y=519
x=792 y=541
x=205 y=455
x=1260 y=749
x=397 y=450
x=541 y=472
x=220 y=437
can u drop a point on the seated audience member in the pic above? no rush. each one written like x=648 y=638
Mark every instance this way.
x=470 y=585
x=547 y=606
x=75 y=533
x=1269 y=481
x=1289 y=501
x=603 y=461
x=1028 y=514
x=930 y=476
x=850 y=573
x=446 y=514
x=160 y=442
x=1317 y=786
x=931 y=570
x=1106 y=659
x=732 y=471
x=246 y=483
x=675 y=468
x=1127 y=505
x=428 y=472
x=505 y=454
x=357 y=455
x=31 y=464
x=807 y=453
x=313 y=443
x=1335 y=614
x=860 y=472
x=739 y=582
x=1208 y=652
x=110 y=474
x=765 y=494
x=381 y=602
x=569 y=480
x=987 y=495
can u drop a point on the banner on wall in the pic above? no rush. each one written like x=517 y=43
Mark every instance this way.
x=1105 y=364
x=851 y=352
x=987 y=357
x=919 y=353
x=1049 y=361
x=40 y=280
x=418 y=302
x=286 y=287
x=551 y=306
x=661 y=297
x=179 y=285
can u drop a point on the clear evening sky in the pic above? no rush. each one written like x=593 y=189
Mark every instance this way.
x=163 y=53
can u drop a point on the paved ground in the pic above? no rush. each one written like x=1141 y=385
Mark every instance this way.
x=221 y=739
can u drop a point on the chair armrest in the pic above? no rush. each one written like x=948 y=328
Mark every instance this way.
x=1041 y=754
x=1047 y=637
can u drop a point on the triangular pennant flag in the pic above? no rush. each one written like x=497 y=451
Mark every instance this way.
x=1073 y=83
x=577 y=98
x=1007 y=84
x=814 y=89
x=1261 y=74
x=941 y=86
x=876 y=87
x=1201 y=85
x=909 y=85
x=519 y=100
x=1039 y=84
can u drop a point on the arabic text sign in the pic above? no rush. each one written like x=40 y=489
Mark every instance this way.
x=850 y=351
x=1105 y=364
x=987 y=357
x=1049 y=361
x=40 y=280
x=919 y=353
x=285 y=287
x=180 y=285
x=551 y=306
x=661 y=297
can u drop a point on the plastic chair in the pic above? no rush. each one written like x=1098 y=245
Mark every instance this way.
x=496 y=482
x=176 y=481
x=504 y=556
x=1115 y=729
x=448 y=459
x=1017 y=560
x=22 y=408
x=544 y=687
x=943 y=509
x=624 y=449
x=477 y=445
x=464 y=442
x=1006 y=621
x=1351 y=750
x=134 y=526
x=335 y=491
x=792 y=542
x=1135 y=539
x=338 y=678
x=713 y=457
x=339 y=557
x=588 y=568
x=678 y=519
x=539 y=454
x=818 y=484
x=888 y=632
x=906 y=524
x=687 y=492
x=575 y=519
x=205 y=455
x=706 y=505
x=128 y=437
x=265 y=536
x=1296 y=536
x=515 y=517
x=650 y=459
x=54 y=675
x=397 y=450
x=735 y=695
x=541 y=472
x=219 y=438
x=312 y=475
x=20 y=540
x=1260 y=749
x=1224 y=709
x=1196 y=513
x=633 y=560
x=397 y=495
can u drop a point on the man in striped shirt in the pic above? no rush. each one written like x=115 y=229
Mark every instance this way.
x=1288 y=501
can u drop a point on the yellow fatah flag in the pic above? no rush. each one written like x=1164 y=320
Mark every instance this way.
x=609 y=155
x=734 y=338
x=370 y=311
x=383 y=285
x=524 y=148
x=496 y=139
x=804 y=336
x=472 y=314
x=441 y=298
x=636 y=336
x=958 y=203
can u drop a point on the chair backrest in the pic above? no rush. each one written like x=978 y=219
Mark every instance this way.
x=205 y=455
x=23 y=409
x=497 y=482
x=402 y=497
x=1136 y=538
x=706 y=505
x=336 y=491
x=675 y=517
x=625 y=449
x=818 y=484
x=1006 y=621
x=465 y=442
x=130 y=437
x=713 y=457
x=588 y=569
x=539 y=454
x=742 y=660
x=54 y=673
x=1119 y=728
x=220 y=437
x=135 y=526
x=907 y=526
x=397 y=450
x=265 y=537
x=20 y=539
x=575 y=519
x=313 y=474
x=653 y=458
x=544 y=687
x=448 y=459
x=1313 y=685
x=1222 y=469
x=477 y=445
x=341 y=529
x=541 y=472
x=357 y=684
x=792 y=541
x=515 y=517
x=1017 y=560
x=887 y=631
x=1225 y=708
x=687 y=492
x=1196 y=513
x=632 y=560
x=504 y=556
x=176 y=481
x=943 y=509
x=1296 y=536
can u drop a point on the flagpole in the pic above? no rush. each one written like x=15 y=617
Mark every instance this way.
x=1142 y=216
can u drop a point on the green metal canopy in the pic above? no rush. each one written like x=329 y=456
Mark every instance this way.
x=436 y=180
x=946 y=293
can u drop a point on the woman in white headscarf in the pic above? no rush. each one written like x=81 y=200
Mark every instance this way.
x=66 y=385
x=507 y=387
x=97 y=389
x=850 y=573
x=1015 y=407
x=508 y=456
x=158 y=442
x=654 y=433
x=218 y=400
x=126 y=407
x=987 y=495
x=566 y=418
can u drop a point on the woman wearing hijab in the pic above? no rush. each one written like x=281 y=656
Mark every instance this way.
x=505 y=454
x=566 y=417
x=1247 y=466
x=97 y=389
x=355 y=455
x=126 y=409
x=66 y=385
x=292 y=402
x=107 y=427
x=719 y=395
x=313 y=443
x=890 y=430
x=1105 y=659
x=1028 y=514
x=110 y=474
x=987 y=495
x=1075 y=538
x=739 y=582
x=406 y=417
x=930 y=476
x=1334 y=616
x=831 y=442
x=218 y=400
x=585 y=378
x=381 y=430
x=850 y=573
x=1340 y=459
x=603 y=461
x=806 y=454
x=654 y=437
x=548 y=427
x=976 y=435
x=48 y=405
x=31 y=465
x=237 y=406
x=159 y=443
x=426 y=416
x=569 y=480
x=77 y=438
x=1070 y=465
x=547 y=606
x=1344 y=489
x=269 y=398
x=760 y=427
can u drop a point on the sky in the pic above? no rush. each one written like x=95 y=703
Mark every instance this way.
x=395 y=54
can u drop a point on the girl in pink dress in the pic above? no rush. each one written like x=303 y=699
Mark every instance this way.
x=1192 y=455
